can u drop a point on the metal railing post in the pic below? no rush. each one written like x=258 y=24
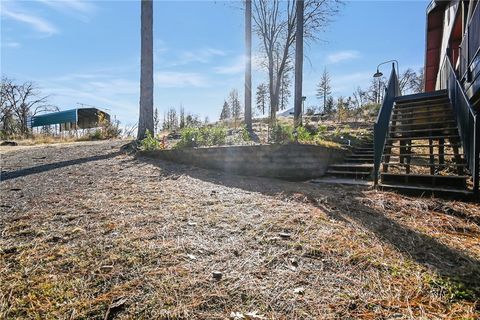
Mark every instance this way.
x=476 y=155
x=381 y=125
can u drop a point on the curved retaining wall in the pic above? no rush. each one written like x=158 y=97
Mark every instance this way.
x=291 y=162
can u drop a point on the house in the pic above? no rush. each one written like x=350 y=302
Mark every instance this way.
x=453 y=32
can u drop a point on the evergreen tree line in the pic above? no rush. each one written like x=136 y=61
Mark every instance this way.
x=363 y=103
x=232 y=108
x=173 y=120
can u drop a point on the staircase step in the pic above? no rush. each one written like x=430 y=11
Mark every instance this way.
x=364 y=153
x=434 y=100
x=404 y=118
x=451 y=121
x=352 y=174
x=353 y=167
x=448 y=145
x=424 y=179
x=433 y=111
x=425 y=130
x=399 y=164
x=422 y=105
x=425 y=190
x=359 y=160
x=408 y=133
x=361 y=155
x=424 y=137
x=422 y=96
x=419 y=154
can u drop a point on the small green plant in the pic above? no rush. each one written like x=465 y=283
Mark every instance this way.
x=303 y=135
x=188 y=138
x=453 y=289
x=245 y=134
x=96 y=135
x=206 y=136
x=215 y=135
x=282 y=133
x=149 y=143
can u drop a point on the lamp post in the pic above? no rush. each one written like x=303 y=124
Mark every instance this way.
x=378 y=75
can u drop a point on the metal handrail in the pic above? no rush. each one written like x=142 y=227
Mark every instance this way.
x=380 y=127
x=467 y=120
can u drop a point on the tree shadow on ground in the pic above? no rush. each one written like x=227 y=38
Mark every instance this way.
x=347 y=206
x=54 y=165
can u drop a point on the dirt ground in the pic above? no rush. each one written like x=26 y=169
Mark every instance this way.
x=88 y=232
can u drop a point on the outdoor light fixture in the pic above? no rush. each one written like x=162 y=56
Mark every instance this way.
x=378 y=74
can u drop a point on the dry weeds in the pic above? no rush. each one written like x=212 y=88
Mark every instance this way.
x=90 y=233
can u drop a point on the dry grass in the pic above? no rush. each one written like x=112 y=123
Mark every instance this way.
x=44 y=139
x=91 y=233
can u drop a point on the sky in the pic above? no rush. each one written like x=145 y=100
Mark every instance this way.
x=88 y=52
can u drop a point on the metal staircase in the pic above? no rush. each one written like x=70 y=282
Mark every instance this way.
x=427 y=143
x=423 y=148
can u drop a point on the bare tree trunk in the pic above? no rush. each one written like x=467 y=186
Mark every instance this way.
x=298 y=65
x=248 y=64
x=271 y=89
x=145 y=121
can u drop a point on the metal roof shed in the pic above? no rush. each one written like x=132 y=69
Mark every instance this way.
x=84 y=118
x=67 y=116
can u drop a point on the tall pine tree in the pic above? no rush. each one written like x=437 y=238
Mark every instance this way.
x=324 y=88
x=262 y=97
x=285 y=92
x=235 y=105
x=226 y=112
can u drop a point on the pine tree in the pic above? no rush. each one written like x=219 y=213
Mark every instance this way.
x=285 y=92
x=164 y=122
x=182 y=117
x=262 y=97
x=156 y=120
x=235 y=105
x=342 y=108
x=225 y=114
x=324 y=88
x=329 y=107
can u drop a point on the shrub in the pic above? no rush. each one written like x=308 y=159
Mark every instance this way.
x=149 y=143
x=303 y=135
x=282 y=133
x=111 y=129
x=96 y=135
x=322 y=129
x=206 y=136
x=245 y=134
x=214 y=136
x=189 y=138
